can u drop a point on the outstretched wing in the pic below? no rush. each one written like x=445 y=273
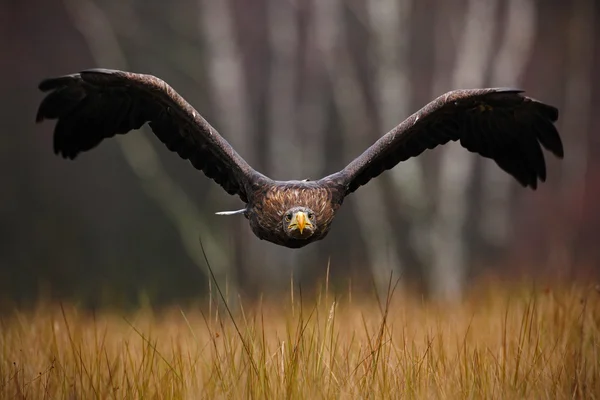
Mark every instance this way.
x=98 y=103
x=500 y=124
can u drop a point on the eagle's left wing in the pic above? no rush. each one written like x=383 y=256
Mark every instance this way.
x=500 y=124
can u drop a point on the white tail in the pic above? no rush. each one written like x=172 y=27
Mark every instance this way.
x=243 y=210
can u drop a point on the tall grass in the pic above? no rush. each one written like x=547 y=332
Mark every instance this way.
x=498 y=343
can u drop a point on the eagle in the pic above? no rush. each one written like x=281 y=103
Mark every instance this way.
x=497 y=123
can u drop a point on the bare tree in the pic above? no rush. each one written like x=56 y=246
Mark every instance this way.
x=285 y=148
x=579 y=69
x=228 y=88
x=576 y=118
x=226 y=77
x=139 y=152
x=578 y=89
x=456 y=167
x=312 y=112
x=390 y=23
x=369 y=205
x=508 y=67
x=390 y=26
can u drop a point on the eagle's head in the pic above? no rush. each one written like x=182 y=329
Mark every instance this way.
x=299 y=223
x=291 y=214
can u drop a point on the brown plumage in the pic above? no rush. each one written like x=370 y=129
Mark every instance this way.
x=496 y=123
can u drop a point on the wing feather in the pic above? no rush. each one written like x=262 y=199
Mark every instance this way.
x=496 y=123
x=96 y=104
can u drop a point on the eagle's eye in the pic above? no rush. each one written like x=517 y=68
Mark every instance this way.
x=311 y=216
x=288 y=217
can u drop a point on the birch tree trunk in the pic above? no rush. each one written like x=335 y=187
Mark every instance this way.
x=229 y=88
x=312 y=114
x=285 y=148
x=287 y=158
x=450 y=250
x=140 y=154
x=580 y=63
x=390 y=25
x=369 y=205
x=576 y=124
x=508 y=67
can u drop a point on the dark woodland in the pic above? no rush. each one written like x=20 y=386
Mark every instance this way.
x=299 y=88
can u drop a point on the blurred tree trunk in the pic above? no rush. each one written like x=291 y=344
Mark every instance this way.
x=229 y=88
x=450 y=248
x=508 y=67
x=141 y=156
x=285 y=148
x=576 y=127
x=368 y=203
x=313 y=96
x=390 y=27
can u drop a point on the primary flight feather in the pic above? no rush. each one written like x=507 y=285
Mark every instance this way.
x=496 y=123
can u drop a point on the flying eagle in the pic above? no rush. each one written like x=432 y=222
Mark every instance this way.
x=496 y=123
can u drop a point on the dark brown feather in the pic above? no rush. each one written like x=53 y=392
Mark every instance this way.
x=270 y=202
x=500 y=124
x=96 y=104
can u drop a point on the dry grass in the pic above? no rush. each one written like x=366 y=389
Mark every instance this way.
x=499 y=343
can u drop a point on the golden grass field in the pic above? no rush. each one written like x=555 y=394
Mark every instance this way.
x=498 y=343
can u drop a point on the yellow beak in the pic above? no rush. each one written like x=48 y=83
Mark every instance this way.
x=300 y=221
